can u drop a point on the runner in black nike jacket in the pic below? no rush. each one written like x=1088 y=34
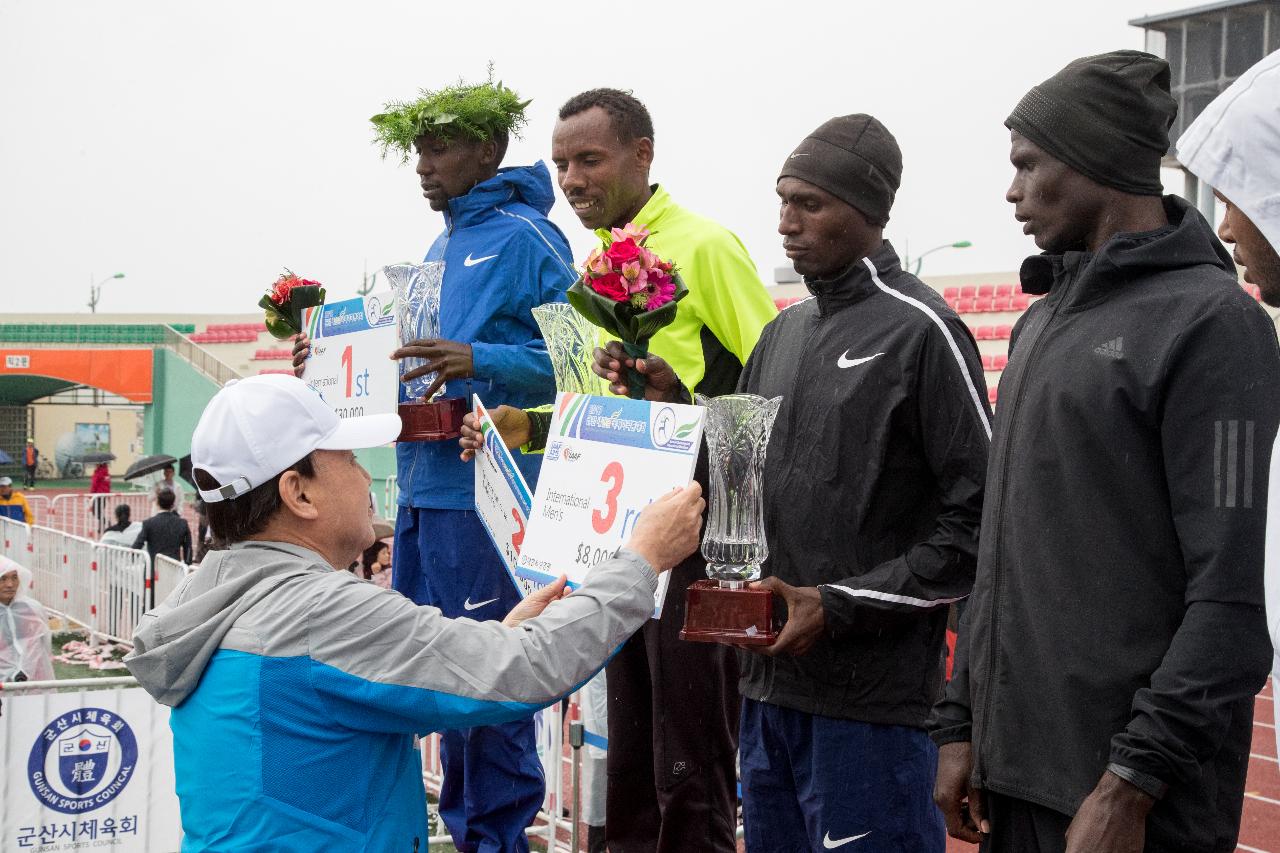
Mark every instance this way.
x=873 y=491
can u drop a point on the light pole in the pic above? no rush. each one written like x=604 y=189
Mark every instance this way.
x=96 y=289
x=919 y=261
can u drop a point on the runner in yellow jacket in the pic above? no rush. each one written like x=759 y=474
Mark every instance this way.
x=672 y=706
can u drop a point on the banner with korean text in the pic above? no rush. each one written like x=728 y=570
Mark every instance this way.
x=87 y=770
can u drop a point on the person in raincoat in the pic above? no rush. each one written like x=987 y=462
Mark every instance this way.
x=26 y=649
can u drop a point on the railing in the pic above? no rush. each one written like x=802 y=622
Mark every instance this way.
x=14 y=538
x=390 y=494
x=168 y=574
x=88 y=515
x=199 y=357
x=102 y=587
x=40 y=507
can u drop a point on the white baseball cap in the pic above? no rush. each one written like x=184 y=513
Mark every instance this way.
x=257 y=427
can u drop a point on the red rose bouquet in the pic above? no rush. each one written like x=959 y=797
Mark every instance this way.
x=286 y=300
x=628 y=291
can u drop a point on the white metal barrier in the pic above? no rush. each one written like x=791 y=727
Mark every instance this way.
x=168 y=574
x=87 y=515
x=102 y=587
x=14 y=538
x=120 y=592
x=390 y=494
x=40 y=507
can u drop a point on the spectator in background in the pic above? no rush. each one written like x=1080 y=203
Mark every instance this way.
x=204 y=534
x=125 y=531
x=30 y=459
x=375 y=564
x=173 y=485
x=26 y=653
x=13 y=504
x=166 y=532
x=99 y=484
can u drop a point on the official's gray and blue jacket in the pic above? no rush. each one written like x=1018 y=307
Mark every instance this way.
x=297 y=691
x=503 y=257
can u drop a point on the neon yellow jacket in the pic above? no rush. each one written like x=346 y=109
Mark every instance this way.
x=726 y=296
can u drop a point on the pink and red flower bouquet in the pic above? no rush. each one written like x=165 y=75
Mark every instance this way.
x=628 y=291
x=286 y=300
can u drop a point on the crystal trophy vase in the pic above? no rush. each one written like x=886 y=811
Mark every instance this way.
x=570 y=338
x=417 y=290
x=723 y=609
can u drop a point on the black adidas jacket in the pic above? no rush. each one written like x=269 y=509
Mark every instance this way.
x=1117 y=617
x=873 y=488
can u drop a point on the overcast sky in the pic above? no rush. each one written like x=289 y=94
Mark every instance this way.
x=201 y=147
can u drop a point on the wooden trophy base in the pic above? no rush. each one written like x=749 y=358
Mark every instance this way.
x=438 y=421
x=717 y=614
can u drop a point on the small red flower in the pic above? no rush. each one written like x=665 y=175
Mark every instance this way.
x=611 y=286
x=622 y=252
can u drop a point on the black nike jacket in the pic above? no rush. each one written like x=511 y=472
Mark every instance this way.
x=873 y=488
x=1117 y=618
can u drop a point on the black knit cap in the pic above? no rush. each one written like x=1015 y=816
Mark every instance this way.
x=1106 y=116
x=856 y=159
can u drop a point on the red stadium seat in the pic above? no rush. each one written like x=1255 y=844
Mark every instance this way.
x=1019 y=302
x=988 y=362
x=951 y=293
x=1002 y=303
x=968 y=292
x=1000 y=361
x=983 y=333
x=1004 y=290
x=982 y=304
x=1003 y=332
x=991 y=395
x=954 y=304
x=986 y=290
x=965 y=306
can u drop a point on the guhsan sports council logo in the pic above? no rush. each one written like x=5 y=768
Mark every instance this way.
x=82 y=760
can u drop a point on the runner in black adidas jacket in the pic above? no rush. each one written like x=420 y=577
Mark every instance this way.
x=873 y=491
x=1102 y=698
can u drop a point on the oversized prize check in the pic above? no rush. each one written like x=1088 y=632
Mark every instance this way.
x=503 y=499
x=350 y=365
x=607 y=458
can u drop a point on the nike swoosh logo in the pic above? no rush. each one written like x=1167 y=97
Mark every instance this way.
x=467 y=605
x=845 y=361
x=794 y=156
x=471 y=262
x=832 y=843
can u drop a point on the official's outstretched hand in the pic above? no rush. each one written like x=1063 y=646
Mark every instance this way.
x=512 y=424
x=668 y=529
x=536 y=602
x=660 y=382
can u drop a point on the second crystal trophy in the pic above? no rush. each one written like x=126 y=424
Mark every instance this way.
x=417 y=290
x=724 y=609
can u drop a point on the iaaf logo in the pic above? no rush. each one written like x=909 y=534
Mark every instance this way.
x=378 y=314
x=571 y=454
x=82 y=760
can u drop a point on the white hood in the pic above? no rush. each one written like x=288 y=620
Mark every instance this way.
x=25 y=641
x=1234 y=146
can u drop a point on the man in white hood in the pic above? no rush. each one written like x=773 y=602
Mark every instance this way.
x=26 y=653
x=1234 y=147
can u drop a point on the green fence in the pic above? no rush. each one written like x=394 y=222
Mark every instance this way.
x=75 y=333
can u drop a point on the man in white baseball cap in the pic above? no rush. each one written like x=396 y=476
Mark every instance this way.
x=287 y=677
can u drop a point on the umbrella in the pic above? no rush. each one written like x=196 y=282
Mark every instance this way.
x=95 y=458
x=148 y=465
x=5 y=458
x=184 y=470
x=383 y=529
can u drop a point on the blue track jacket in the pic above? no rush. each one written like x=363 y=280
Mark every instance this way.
x=297 y=691
x=503 y=257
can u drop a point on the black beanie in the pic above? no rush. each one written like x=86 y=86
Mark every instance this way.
x=856 y=159
x=1106 y=116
